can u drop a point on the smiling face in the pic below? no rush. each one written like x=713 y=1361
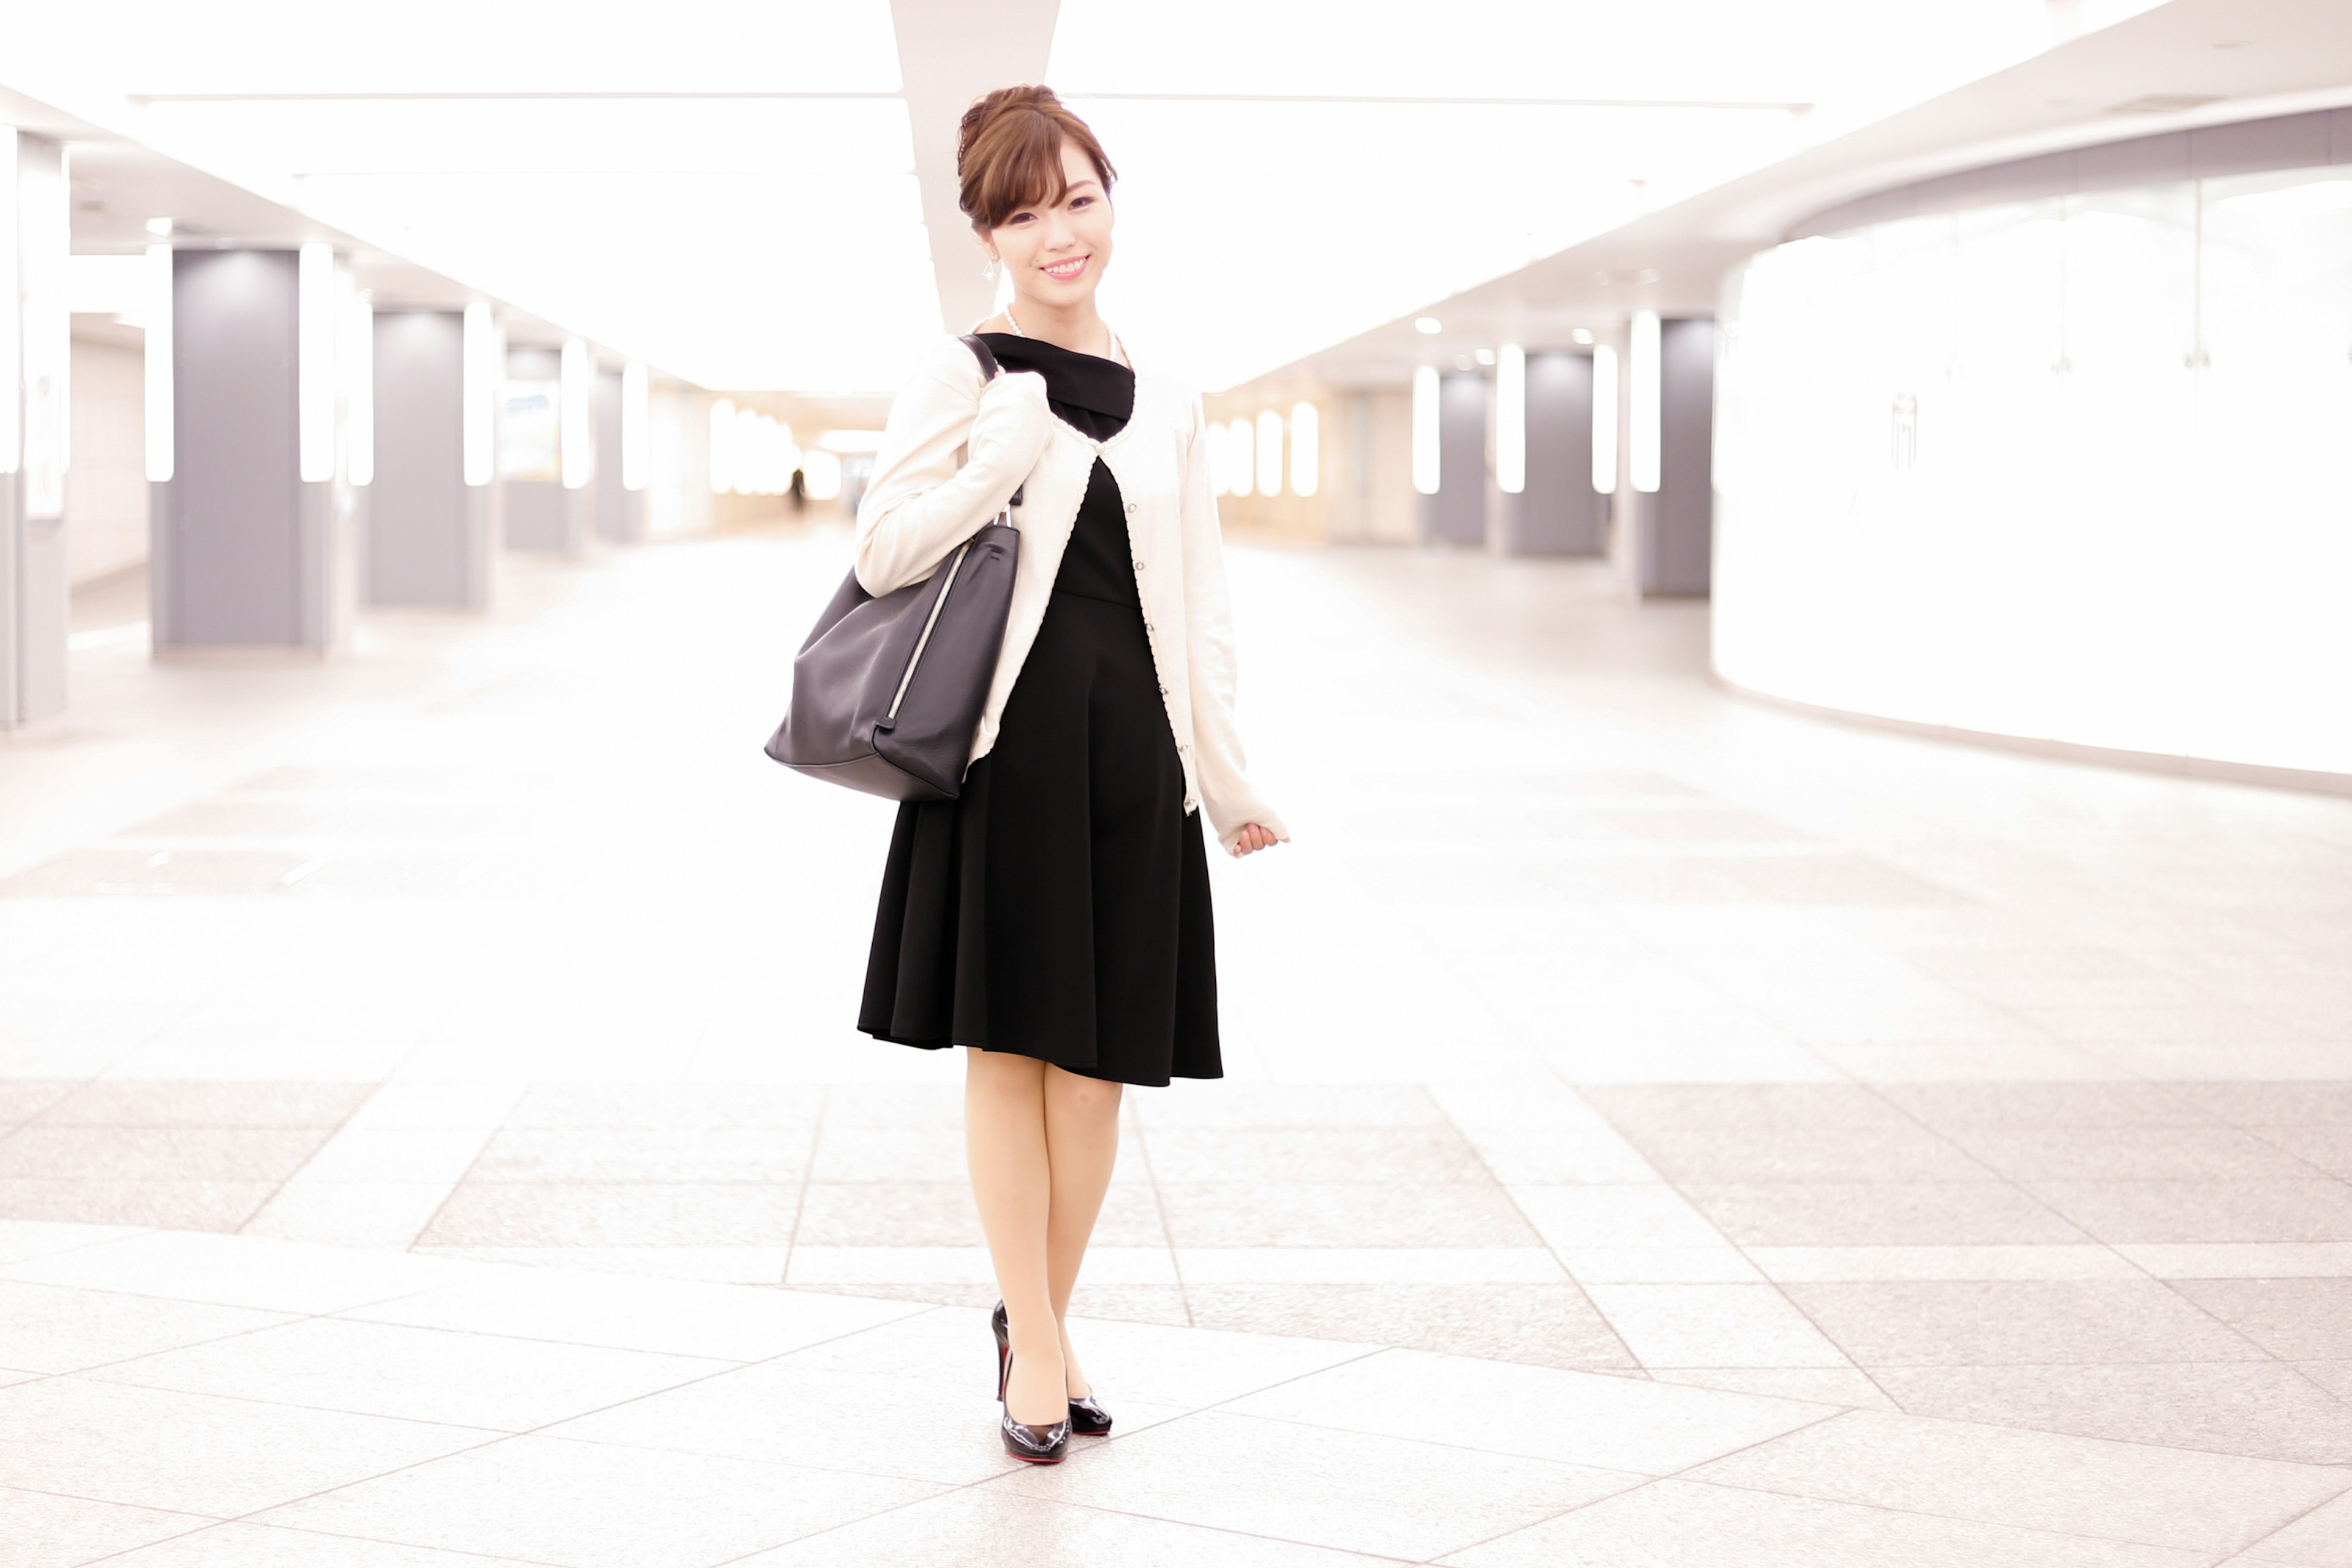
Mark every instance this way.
x=1055 y=249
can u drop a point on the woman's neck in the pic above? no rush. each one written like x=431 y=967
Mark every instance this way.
x=1077 y=328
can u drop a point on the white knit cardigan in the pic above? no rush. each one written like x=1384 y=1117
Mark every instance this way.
x=928 y=493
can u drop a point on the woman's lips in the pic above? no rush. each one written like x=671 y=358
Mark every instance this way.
x=1063 y=271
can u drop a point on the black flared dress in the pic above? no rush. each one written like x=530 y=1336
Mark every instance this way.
x=1059 y=907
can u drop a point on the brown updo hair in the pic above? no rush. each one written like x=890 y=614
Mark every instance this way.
x=1009 y=154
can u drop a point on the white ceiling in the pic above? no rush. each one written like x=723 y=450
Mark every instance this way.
x=733 y=191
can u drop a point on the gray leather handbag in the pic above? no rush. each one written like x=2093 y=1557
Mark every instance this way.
x=888 y=692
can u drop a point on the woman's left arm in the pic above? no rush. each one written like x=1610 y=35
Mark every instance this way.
x=1243 y=820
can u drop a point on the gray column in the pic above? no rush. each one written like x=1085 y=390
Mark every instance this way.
x=432 y=537
x=620 y=512
x=34 y=608
x=540 y=514
x=1557 y=513
x=1457 y=514
x=1678 y=522
x=247 y=552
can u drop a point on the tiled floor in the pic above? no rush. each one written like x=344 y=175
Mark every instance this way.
x=1973 y=1134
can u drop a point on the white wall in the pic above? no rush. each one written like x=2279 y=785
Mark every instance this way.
x=106 y=485
x=2070 y=469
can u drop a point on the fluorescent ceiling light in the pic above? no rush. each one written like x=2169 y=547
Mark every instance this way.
x=1647 y=394
x=159 y=227
x=158 y=362
x=1582 y=335
x=1428 y=326
x=1424 y=430
x=1269 y=453
x=1510 y=418
x=1305 y=449
x=1604 y=420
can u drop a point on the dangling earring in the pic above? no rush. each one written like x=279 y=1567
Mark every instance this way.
x=988 y=271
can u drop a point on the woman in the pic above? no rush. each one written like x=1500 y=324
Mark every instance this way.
x=1054 y=918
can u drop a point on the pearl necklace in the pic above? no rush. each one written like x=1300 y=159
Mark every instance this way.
x=1116 y=346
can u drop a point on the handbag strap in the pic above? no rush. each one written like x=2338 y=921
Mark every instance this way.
x=989 y=371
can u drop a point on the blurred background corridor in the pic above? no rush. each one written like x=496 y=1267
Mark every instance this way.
x=1828 y=1040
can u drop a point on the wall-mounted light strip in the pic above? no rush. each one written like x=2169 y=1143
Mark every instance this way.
x=314 y=360
x=1305 y=449
x=359 y=393
x=723 y=447
x=481 y=411
x=1424 y=430
x=636 y=419
x=160 y=436
x=1604 y=420
x=575 y=435
x=1241 y=446
x=1269 y=453
x=1645 y=393
x=12 y=383
x=1511 y=419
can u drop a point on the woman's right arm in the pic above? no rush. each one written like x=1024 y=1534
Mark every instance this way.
x=921 y=502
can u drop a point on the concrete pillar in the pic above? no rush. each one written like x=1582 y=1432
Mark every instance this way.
x=1557 y=513
x=619 y=512
x=1457 y=514
x=542 y=514
x=432 y=538
x=36 y=370
x=247 y=552
x=1677 y=523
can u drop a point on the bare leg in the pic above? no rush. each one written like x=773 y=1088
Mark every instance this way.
x=1082 y=1143
x=1012 y=1181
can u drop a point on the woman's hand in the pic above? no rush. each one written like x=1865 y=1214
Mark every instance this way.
x=1253 y=838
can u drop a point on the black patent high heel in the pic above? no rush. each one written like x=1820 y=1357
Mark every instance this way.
x=1087 y=1418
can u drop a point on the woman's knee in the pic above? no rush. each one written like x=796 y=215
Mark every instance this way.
x=1087 y=1095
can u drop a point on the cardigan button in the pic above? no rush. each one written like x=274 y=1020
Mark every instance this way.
x=1130 y=509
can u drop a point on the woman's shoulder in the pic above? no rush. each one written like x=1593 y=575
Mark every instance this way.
x=950 y=361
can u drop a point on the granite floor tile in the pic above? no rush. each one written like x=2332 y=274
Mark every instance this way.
x=1881 y=1214
x=935 y=1429
x=2130 y=1154
x=2320 y=1539
x=2298 y=1320
x=241 y=1271
x=2132 y=1493
x=612 y=1214
x=547 y=1499
x=1649 y=1216
x=1228 y=1104
x=2325 y=1146
x=2203 y=1211
x=1718 y=1265
x=1713 y=1325
x=2018 y=1107
x=2264 y=1411
x=52 y=1327
x=350 y=1213
x=1688 y=1524
x=666 y=1317
x=1352 y=1491
x=196 y=1103
x=1813 y=1265
x=1904 y=1152
x=41 y=1530
x=156 y=1154
x=441 y=1155
x=23 y=1239
x=266 y=1546
x=710 y=1265
x=1614 y=1423
x=670 y=1107
x=980 y=1527
x=2016 y=1321
x=1541 y=1325
x=901 y=1154
x=1242 y=1214
x=417 y=1374
x=1847 y=1386
x=2257 y=1104
x=1315 y=1154
x=1366 y=1265
x=2241 y=1259
x=766 y=1154
x=172 y=1205
x=1531 y=1154
x=191 y=1453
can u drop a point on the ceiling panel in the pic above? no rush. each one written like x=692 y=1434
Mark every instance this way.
x=143 y=48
